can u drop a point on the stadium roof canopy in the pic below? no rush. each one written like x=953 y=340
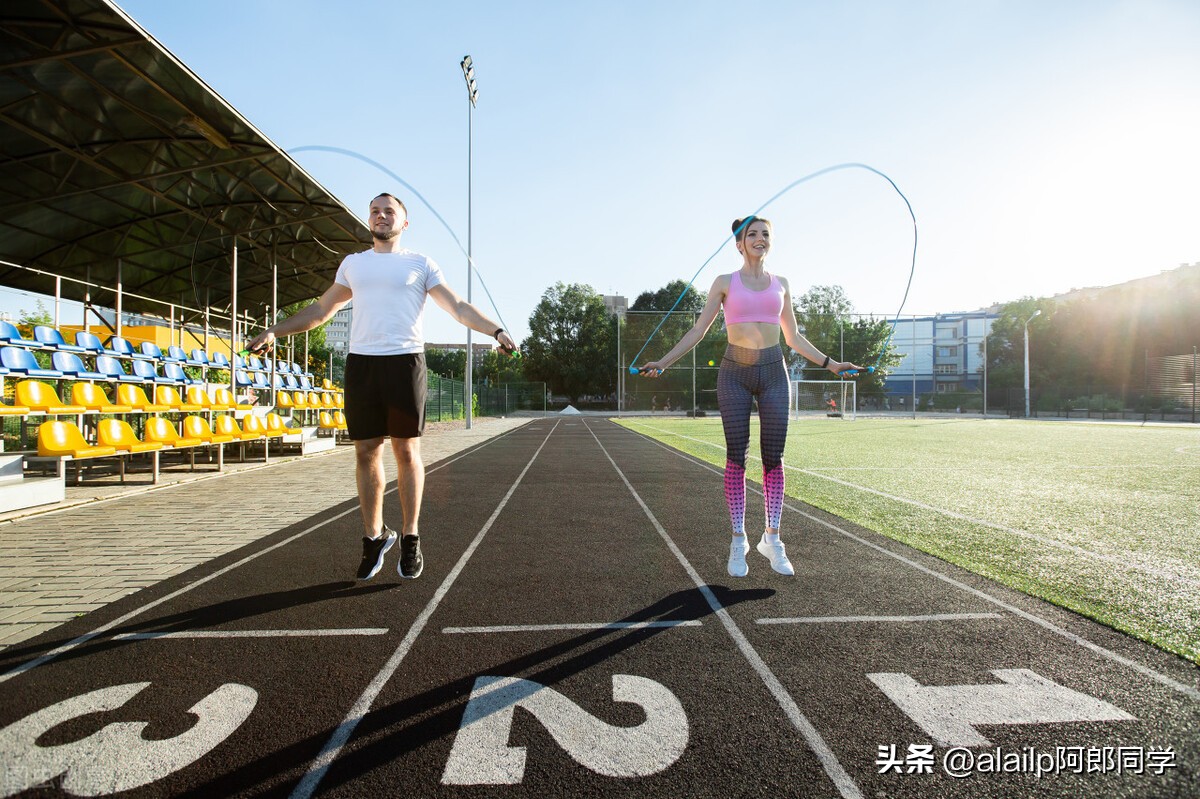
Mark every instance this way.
x=112 y=152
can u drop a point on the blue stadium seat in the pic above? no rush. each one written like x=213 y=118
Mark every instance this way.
x=219 y=361
x=10 y=335
x=71 y=365
x=305 y=382
x=241 y=378
x=112 y=369
x=91 y=343
x=291 y=382
x=22 y=362
x=177 y=354
x=199 y=358
x=150 y=350
x=149 y=372
x=254 y=364
x=282 y=366
x=52 y=339
x=123 y=348
x=259 y=381
x=174 y=372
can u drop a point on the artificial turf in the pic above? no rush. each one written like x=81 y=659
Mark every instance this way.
x=1103 y=519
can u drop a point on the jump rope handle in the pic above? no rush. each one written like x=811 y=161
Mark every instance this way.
x=854 y=372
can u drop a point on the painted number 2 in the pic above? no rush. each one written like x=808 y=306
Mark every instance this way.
x=117 y=757
x=481 y=754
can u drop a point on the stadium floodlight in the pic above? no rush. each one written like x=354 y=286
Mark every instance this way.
x=1036 y=314
x=468 y=69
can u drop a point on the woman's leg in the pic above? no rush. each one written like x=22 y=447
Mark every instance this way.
x=773 y=402
x=734 y=400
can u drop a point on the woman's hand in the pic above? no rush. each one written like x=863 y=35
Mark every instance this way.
x=838 y=367
x=652 y=369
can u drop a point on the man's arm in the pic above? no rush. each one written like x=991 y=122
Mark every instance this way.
x=307 y=318
x=467 y=314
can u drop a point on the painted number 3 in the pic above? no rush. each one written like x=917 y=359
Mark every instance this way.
x=117 y=757
x=481 y=754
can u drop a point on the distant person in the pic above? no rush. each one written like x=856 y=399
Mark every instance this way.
x=758 y=306
x=385 y=371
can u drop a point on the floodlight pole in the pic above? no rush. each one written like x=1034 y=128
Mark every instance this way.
x=472 y=93
x=1036 y=314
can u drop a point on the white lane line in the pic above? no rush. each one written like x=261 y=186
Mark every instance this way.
x=1146 y=671
x=83 y=639
x=249 y=634
x=872 y=619
x=333 y=747
x=844 y=783
x=537 y=628
x=1111 y=560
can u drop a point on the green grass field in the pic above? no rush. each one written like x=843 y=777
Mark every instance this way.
x=1101 y=519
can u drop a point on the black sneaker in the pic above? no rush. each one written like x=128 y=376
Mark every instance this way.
x=411 y=562
x=373 y=551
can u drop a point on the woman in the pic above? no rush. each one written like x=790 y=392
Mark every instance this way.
x=758 y=304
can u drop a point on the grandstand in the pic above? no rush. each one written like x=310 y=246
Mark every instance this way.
x=130 y=187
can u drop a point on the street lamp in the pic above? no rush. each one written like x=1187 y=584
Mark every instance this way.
x=1036 y=314
x=468 y=70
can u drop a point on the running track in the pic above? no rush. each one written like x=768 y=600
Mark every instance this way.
x=575 y=634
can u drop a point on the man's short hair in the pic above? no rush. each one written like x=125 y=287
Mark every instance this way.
x=399 y=202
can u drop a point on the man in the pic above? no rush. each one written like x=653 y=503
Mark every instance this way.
x=385 y=371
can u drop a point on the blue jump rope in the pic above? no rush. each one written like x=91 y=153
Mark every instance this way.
x=633 y=370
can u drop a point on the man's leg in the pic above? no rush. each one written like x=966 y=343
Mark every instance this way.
x=410 y=480
x=411 y=483
x=369 y=473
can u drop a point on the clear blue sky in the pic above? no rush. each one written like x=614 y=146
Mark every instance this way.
x=1045 y=145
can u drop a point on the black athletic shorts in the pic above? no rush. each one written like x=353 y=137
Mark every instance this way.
x=385 y=396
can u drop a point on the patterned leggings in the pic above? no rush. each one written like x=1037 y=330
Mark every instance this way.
x=747 y=373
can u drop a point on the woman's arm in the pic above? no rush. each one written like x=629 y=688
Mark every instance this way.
x=716 y=295
x=801 y=345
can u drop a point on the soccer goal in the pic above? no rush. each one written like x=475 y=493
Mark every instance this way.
x=834 y=398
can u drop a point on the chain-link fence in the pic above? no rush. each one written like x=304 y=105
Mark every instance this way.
x=444 y=399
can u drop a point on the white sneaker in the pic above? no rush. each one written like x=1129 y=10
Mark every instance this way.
x=775 y=554
x=737 y=557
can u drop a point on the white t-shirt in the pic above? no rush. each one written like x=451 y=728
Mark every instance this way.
x=389 y=300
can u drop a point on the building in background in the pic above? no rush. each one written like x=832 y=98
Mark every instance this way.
x=940 y=354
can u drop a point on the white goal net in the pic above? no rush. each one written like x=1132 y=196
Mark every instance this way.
x=832 y=398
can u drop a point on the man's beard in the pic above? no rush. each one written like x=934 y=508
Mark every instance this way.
x=391 y=234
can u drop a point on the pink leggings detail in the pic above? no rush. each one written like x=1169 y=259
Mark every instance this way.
x=772 y=495
x=735 y=495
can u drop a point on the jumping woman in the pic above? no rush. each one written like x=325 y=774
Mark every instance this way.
x=758 y=305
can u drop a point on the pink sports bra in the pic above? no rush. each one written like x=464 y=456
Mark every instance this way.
x=746 y=305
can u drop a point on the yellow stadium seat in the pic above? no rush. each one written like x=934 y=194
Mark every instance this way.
x=340 y=400
x=92 y=397
x=300 y=401
x=328 y=400
x=118 y=434
x=326 y=384
x=196 y=395
x=314 y=399
x=227 y=425
x=254 y=425
x=326 y=422
x=134 y=397
x=197 y=427
x=160 y=429
x=13 y=410
x=167 y=395
x=275 y=425
x=63 y=439
x=283 y=400
x=224 y=398
x=340 y=419
x=38 y=396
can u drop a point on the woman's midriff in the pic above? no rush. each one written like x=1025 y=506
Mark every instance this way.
x=753 y=335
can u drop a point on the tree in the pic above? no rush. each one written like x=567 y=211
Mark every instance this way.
x=447 y=363
x=30 y=319
x=665 y=298
x=572 y=342
x=823 y=314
